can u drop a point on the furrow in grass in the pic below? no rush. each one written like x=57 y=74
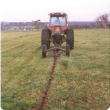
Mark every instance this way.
x=25 y=63
x=16 y=56
x=10 y=39
x=44 y=102
x=20 y=43
x=22 y=38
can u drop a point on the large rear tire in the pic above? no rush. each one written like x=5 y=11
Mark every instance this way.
x=45 y=38
x=70 y=38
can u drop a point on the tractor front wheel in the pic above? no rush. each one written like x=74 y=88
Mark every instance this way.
x=67 y=50
x=44 y=48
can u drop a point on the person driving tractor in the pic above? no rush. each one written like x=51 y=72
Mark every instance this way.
x=57 y=20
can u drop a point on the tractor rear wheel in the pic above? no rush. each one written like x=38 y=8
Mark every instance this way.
x=70 y=38
x=45 y=38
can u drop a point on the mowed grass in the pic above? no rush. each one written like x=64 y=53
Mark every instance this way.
x=81 y=81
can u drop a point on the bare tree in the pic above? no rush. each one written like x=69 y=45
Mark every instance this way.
x=103 y=20
x=43 y=25
x=36 y=24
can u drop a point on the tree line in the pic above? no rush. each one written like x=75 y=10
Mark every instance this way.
x=90 y=26
x=7 y=24
x=101 y=21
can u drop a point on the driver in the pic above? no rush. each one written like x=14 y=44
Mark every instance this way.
x=57 y=20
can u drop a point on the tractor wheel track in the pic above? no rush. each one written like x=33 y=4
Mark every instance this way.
x=16 y=56
x=21 y=45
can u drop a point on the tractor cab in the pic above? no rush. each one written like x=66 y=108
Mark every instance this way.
x=58 y=23
x=58 y=19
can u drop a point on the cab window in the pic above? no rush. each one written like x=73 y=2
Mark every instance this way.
x=58 y=21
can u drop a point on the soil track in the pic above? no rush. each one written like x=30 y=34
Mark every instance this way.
x=44 y=102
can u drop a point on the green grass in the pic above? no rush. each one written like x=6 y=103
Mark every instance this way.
x=81 y=81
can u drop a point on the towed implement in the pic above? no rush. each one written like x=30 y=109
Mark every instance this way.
x=57 y=32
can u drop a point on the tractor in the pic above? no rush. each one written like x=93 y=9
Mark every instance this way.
x=57 y=32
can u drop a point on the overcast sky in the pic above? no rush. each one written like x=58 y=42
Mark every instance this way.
x=28 y=10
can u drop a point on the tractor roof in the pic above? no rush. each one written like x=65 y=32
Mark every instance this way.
x=57 y=14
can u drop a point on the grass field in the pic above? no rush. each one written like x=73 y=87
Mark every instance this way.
x=81 y=81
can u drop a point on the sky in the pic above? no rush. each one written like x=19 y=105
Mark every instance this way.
x=29 y=10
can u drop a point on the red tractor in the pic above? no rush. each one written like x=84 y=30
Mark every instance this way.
x=57 y=32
